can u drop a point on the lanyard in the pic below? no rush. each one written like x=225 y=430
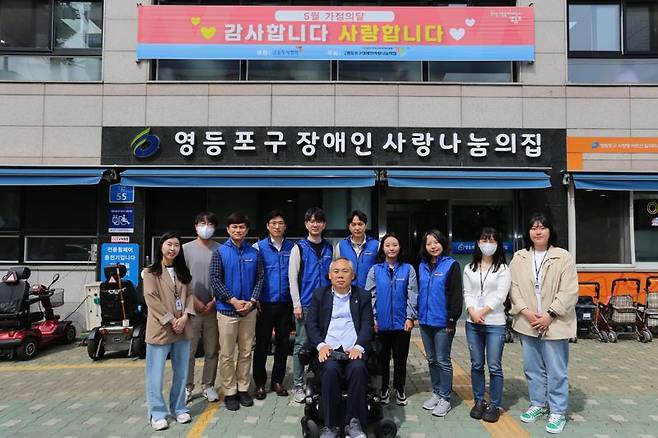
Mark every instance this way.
x=482 y=281
x=538 y=269
x=537 y=273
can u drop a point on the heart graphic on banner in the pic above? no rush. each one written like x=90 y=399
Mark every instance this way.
x=470 y=22
x=195 y=20
x=457 y=33
x=209 y=32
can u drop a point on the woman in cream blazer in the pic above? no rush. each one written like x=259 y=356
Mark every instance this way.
x=543 y=295
x=170 y=305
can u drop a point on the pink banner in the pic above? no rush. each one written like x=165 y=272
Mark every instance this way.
x=400 y=28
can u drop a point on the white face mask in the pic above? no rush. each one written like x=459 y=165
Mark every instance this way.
x=205 y=231
x=488 y=249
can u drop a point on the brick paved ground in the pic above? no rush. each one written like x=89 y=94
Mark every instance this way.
x=62 y=393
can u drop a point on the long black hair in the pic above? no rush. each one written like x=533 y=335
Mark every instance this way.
x=545 y=221
x=440 y=237
x=180 y=267
x=381 y=256
x=499 y=255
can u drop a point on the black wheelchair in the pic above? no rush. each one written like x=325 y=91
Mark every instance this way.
x=123 y=317
x=312 y=420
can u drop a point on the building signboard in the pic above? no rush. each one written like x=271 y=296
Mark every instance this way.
x=337 y=146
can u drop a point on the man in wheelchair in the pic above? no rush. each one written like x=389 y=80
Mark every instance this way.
x=340 y=327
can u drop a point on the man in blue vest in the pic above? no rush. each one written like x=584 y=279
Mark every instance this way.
x=236 y=279
x=275 y=305
x=358 y=247
x=309 y=269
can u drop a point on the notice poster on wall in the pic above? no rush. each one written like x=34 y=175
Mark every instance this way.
x=357 y=33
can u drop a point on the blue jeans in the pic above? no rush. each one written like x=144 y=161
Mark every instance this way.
x=156 y=356
x=545 y=365
x=438 y=343
x=488 y=339
x=300 y=339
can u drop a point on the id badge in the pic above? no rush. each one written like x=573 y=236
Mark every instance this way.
x=179 y=305
x=481 y=302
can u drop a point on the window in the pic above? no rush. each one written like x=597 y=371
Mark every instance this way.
x=48 y=224
x=594 y=28
x=10 y=208
x=59 y=249
x=50 y=40
x=9 y=249
x=324 y=70
x=613 y=41
x=60 y=210
x=602 y=227
x=645 y=224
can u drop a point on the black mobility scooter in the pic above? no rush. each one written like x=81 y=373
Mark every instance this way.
x=313 y=420
x=23 y=331
x=123 y=317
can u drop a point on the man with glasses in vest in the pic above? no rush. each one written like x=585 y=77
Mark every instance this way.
x=275 y=306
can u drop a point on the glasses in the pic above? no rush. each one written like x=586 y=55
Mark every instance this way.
x=542 y=228
x=277 y=223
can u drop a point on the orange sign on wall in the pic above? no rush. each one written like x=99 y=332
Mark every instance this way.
x=577 y=146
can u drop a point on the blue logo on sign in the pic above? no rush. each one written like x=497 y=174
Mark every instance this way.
x=595 y=144
x=145 y=145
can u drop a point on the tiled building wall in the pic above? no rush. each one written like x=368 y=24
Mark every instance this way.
x=61 y=123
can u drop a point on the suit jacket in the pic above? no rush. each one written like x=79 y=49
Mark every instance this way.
x=319 y=315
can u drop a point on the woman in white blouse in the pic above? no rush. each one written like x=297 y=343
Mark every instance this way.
x=487 y=282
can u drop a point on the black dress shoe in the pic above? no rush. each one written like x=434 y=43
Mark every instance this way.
x=245 y=399
x=478 y=410
x=231 y=402
x=261 y=393
x=492 y=414
x=280 y=390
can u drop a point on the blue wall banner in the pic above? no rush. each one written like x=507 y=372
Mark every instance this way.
x=122 y=253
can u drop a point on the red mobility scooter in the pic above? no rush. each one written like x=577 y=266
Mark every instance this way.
x=24 y=332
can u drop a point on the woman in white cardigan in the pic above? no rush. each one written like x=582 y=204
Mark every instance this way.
x=487 y=281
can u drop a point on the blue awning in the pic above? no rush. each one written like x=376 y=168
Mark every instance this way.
x=38 y=176
x=249 y=178
x=469 y=179
x=616 y=181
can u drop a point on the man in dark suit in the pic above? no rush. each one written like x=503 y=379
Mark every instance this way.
x=340 y=319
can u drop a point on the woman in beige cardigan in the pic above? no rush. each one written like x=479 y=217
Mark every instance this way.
x=544 y=294
x=170 y=305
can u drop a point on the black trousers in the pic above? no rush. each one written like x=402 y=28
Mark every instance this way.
x=396 y=342
x=277 y=316
x=355 y=374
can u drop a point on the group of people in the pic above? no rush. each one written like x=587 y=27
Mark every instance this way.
x=342 y=297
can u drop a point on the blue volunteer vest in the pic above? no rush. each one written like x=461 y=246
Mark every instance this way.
x=363 y=262
x=314 y=271
x=391 y=304
x=275 y=282
x=240 y=266
x=432 y=302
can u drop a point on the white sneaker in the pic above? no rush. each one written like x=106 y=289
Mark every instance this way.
x=298 y=394
x=188 y=395
x=431 y=402
x=210 y=394
x=556 y=423
x=160 y=424
x=183 y=418
x=441 y=408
